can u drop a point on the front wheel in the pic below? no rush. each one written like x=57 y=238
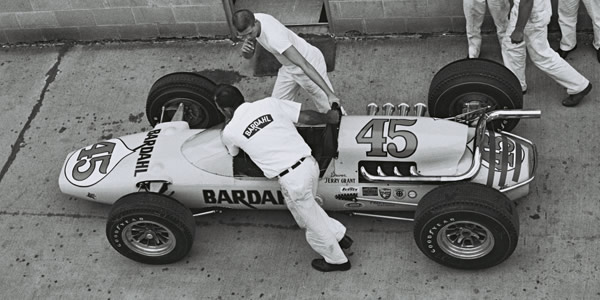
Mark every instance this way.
x=150 y=228
x=466 y=226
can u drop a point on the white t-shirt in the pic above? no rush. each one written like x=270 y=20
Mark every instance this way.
x=265 y=130
x=276 y=38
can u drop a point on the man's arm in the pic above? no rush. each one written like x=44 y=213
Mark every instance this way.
x=231 y=148
x=525 y=8
x=295 y=57
x=311 y=117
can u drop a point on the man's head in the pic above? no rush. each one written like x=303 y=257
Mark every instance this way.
x=245 y=24
x=228 y=98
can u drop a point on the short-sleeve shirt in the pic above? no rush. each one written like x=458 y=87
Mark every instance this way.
x=276 y=38
x=265 y=130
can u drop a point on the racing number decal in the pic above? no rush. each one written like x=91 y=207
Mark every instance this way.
x=86 y=157
x=373 y=134
x=91 y=164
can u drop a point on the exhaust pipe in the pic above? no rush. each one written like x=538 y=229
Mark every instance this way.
x=403 y=109
x=388 y=109
x=420 y=109
x=372 y=109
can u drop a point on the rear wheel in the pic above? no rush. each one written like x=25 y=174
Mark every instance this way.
x=471 y=84
x=150 y=228
x=466 y=226
x=192 y=90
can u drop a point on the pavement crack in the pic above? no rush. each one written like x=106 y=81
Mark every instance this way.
x=50 y=77
x=74 y=216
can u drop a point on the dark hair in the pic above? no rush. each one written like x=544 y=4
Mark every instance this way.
x=242 y=19
x=228 y=96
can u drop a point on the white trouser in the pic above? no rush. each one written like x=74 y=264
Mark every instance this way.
x=546 y=59
x=290 y=78
x=299 y=187
x=567 y=19
x=474 y=14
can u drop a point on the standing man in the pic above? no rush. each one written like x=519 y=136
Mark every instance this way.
x=528 y=29
x=567 y=19
x=265 y=130
x=474 y=14
x=303 y=65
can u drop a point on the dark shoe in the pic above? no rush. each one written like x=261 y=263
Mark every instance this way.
x=346 y=242
x=323 y=266
x=573 y=100
x=564 y=53
x=524 y=92
x=598 y=54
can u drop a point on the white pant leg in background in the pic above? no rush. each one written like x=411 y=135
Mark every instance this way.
x=567 y=20
x=593 y=8
x=474 y=13
x=322 y=232
x=546 y=59
x=499 y=10
x=290 y=78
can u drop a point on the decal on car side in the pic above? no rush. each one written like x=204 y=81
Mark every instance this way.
x=382 y=143
x=246 y=198
x=88 y=166
x=146 y=149
x=502 y=155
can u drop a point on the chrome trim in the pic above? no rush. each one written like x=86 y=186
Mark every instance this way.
x=476 y=164
x=210 y=212
x=385 y=201
x=381 y=216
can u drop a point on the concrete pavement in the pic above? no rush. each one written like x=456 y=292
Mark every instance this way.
x=57 y=98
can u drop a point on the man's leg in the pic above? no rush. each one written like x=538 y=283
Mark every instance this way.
x=514 y=55
x=499 y=10
x=567 y=19
x=474 y=13
x=297 y=188
x=547 y=60
x=285 y=86
x=593 y=8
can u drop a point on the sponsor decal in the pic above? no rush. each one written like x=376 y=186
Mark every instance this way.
x=412 y=194
x=247 y=198
x=349 y=190
x=340 y=180
x=89 y=165
x=385 y=193
x=370 y=191
x=258 y=124
x=146 y=149
x=399 y=194
x=353 y=205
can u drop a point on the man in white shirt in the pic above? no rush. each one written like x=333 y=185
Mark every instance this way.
x=528 y=33
x=567 y=19
x=303 y=65
x=475 y=12
x=265 y=130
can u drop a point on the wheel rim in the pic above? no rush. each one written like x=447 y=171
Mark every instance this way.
x=148 y=238
x=473 y=101
x=194 y=113
x=465 y=240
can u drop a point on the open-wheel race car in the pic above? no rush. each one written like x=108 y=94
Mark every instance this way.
x=456 y=173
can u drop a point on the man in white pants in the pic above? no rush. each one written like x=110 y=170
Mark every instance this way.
x=528 y=33
x=265 y=130
x=303 y=65
x=474 y=14
x=567 y=19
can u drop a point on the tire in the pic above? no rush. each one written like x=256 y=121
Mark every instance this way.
x=483 y=217
x=193 y=90
x=168 y=221
x=477 y=82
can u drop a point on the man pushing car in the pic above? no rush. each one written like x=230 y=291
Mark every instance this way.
x=303 y=65
x=265 y=130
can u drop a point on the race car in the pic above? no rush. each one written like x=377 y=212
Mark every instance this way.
x=456 y=173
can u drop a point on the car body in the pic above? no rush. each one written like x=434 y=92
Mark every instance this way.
x=456 y=173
